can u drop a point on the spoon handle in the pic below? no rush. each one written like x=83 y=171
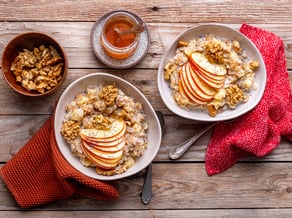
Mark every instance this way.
x=178 y=151
x=146 y=194
x=139 y=28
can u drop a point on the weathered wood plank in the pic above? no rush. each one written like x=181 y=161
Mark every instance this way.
x=251 y=188
x=144 y=79
x=179 y=129
x=186 y=186
x=268 y=11
x=75 y=38
x=16 y=131
x=13 y=103
x=227 y=213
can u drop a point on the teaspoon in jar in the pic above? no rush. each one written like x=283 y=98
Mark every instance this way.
x=139 y=28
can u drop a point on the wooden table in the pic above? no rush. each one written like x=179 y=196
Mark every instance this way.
x=251 y=188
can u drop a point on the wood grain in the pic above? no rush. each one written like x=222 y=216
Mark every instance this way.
x=17 y=130
x=227 y=213
x=75 y=38
x=253 y=187
x=267 y=11
x=144 y=79
x=245 y=185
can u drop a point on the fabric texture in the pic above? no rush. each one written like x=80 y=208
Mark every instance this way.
x=39 y=174
x=259 y=131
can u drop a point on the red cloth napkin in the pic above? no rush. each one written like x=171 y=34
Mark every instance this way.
x=258 y=132
x=38 y=174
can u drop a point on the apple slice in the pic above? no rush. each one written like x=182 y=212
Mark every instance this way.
x=115 y=128
x=210 y=81
x=207 y=75
x=112 y=159
x=105 y=144
x=116 y=131
x=202 y=86
x=181 y=89
x=119 y=146
x=104 y=147
x=192 y=98
x=105 y=154
x=187 y=90
x=211 y=73
x=202 y=61
x=195 y=87
x=109 y=153
x=100 y=162
x=103 y=159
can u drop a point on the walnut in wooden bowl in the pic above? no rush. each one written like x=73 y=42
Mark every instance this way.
x=34 y=64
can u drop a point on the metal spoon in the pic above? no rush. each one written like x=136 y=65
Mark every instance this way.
x=146 y=194
x=178 y=151
x=139 y=28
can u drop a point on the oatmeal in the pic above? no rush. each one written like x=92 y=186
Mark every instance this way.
x=106 y=129
x=210 y=73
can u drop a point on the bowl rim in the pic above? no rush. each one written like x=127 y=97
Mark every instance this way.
x=184 y=113
x=64 y=148
x=60 y=48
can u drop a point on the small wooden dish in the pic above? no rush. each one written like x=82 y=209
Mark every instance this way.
x=29 y=41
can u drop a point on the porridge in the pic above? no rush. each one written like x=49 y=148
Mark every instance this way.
x=210 y=73
x=106 y=129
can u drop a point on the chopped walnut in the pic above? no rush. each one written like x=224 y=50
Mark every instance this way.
x=168 y=69
x=109 y=94
x=38 y=70
x=234 y=96
x=101 y=122
x=215 y=50
x=70 y=130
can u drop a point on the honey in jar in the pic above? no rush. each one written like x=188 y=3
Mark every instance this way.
x=116 y=44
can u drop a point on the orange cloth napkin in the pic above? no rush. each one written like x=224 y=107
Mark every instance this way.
x=259 y=131
x=39 y=174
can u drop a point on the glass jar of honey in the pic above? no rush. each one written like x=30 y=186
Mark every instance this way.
x=115 y=41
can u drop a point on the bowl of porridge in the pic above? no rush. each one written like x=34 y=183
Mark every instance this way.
x=211 y=73
x=106 y=128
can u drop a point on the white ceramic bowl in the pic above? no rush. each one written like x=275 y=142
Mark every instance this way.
x=229 y=33
x=154 y=132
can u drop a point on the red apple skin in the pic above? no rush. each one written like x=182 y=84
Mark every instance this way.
x=210 y=81
x=204 y=87
x=206 y=74
x=186 y=91
x=193 y=58
x=102 y=163
x=195 y=87
x=113 y=148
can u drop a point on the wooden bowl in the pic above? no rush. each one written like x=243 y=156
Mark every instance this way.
x=29 y=40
